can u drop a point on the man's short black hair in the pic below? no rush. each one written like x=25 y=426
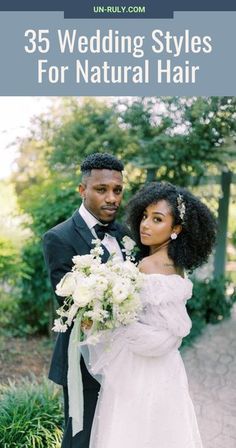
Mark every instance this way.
x=100 y=161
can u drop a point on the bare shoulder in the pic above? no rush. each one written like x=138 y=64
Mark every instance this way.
x=147 y=266
x=151 y=265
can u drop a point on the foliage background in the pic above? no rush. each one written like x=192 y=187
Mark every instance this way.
x=182 y=140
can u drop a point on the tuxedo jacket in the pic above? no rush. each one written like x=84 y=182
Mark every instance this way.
x=60 y=244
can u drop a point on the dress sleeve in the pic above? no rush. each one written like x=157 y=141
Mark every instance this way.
x=164 y=320
x=169 y=323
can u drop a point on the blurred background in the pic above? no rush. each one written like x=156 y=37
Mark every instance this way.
x=188 y=141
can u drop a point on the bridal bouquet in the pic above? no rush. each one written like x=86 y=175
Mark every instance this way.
x=103 y=294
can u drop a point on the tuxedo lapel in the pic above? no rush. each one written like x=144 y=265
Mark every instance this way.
x=85 y=233
x=82 y=228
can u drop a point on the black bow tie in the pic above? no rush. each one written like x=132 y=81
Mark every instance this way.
x=101 y=230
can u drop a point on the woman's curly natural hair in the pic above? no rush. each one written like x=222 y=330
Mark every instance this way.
x=196 y=240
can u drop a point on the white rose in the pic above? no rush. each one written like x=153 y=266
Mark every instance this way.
x=81 y=297
x=67 y=285
x=100 y=269
x=84 y=292
x=120 y=291
x=95 y=283
x=82 y=261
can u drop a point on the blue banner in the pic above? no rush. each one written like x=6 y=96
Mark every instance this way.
x=119 y=9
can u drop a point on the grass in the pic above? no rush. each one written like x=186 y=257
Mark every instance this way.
x=30 y=415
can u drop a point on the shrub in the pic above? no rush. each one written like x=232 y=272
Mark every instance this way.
x=211 y=302
x=35 y=300
x=8 y=313
x=30 y=415
x=10 y=266
x=27 y=308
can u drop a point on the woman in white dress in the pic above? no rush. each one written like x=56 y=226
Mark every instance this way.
x=144 y=400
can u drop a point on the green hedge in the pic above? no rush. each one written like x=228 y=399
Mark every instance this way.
x=211 y=302
x=30 y=415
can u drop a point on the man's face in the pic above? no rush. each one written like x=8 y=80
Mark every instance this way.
x=102 y=193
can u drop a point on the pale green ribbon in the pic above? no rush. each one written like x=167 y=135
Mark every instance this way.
x=75 y=385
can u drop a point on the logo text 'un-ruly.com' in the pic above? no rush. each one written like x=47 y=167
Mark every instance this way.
x=119 y=9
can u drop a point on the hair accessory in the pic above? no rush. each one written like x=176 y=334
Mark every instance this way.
x=173 y=236
x=181 y=206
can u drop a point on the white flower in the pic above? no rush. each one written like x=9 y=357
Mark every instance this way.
x=128 y=244
x=97 y=251
x=106 y=293
x=84 y=292
x=116 y=267
x=96 y=241
x=120 y=290
x=81 y=297
x=97 y=315
x=67 y=285
x=99 y=269
x=82 y=261
x=102 y=285
x=130 y=305
x=62 y=312
x=59 y=326
x=130 y=269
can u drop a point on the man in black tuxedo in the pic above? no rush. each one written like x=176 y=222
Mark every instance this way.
x=101 y=190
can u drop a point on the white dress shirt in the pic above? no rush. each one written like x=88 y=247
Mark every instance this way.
x=108 y=241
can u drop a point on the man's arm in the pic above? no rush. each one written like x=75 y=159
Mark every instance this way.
x=58 y=259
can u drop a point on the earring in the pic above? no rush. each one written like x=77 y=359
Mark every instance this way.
x=173 y=236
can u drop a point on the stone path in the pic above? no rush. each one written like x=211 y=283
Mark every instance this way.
x=211 y=369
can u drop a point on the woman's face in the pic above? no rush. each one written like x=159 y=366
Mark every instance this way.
x=157 y=224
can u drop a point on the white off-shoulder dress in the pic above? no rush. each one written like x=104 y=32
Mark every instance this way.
x=144 y=400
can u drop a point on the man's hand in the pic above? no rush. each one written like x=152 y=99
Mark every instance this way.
x=86 y=324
